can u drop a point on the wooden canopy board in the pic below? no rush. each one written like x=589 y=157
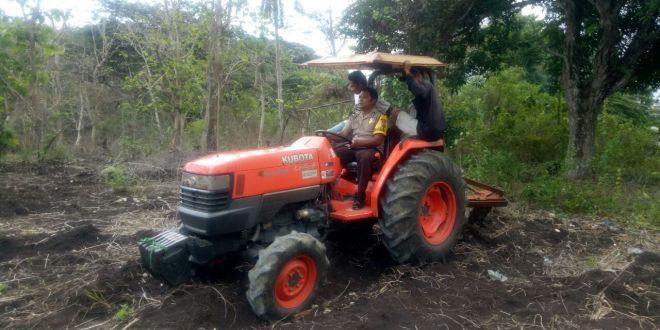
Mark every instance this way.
x=373 y=61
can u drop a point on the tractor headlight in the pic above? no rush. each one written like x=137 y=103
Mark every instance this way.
x=206 y=182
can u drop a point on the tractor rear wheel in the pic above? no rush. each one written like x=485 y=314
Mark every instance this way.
x=423 y=208
x=287 y=276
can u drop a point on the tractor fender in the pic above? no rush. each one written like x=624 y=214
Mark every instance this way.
x=400 y=152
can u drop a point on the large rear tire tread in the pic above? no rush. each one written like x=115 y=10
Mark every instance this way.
x=400 y=207
x=272 y=259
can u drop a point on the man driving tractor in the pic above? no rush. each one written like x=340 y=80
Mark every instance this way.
x=358 y=82
x=366 y=129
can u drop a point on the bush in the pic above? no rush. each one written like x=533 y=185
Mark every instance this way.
x=56 y=153
x=136 y=148
x=508 y=128
x=508 y=132
x=627 y=203
x=626 y=151
x=8 y=141
x=193 y=134
x=117 y=178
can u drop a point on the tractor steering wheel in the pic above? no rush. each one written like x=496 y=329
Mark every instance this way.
x=325 y=133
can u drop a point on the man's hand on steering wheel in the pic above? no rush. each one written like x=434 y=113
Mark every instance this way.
x=333 y=136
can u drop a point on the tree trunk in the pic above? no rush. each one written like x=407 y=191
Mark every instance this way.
x=33 y=105
x=213 y=72
x=80 y=120
x=179 y=123
x=583 y=117
x=262 y=100
x=278 y=78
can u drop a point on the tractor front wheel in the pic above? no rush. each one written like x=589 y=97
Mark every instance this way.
x=287 y=276
x=423 y=208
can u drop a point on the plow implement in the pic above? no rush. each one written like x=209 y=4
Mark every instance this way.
x=482 y=198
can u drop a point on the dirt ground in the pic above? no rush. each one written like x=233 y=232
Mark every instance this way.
x=69 y=259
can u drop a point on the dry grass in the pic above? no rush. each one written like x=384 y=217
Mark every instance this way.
x=45 y=286
x=41 y=286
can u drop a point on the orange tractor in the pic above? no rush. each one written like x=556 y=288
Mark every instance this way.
x=277 y=204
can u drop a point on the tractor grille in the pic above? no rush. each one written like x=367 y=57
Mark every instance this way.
x=204 y=200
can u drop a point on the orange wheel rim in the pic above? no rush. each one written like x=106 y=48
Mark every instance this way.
x=295 y=282
x=437 y=213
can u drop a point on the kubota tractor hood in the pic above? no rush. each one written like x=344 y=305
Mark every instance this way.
x=304 y=150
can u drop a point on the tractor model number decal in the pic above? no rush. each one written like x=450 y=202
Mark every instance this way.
x=304 y=167
x=274 y=172
x=292 y=159
x=309 y=174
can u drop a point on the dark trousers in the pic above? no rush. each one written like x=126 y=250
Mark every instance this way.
x=366 y=159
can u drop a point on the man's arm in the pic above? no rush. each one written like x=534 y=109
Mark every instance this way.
x=345 y=132
x=414 y=86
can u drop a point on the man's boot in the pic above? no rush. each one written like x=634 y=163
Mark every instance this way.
x=358 y=201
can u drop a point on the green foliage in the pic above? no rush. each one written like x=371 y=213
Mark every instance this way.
x=8 y=140
x=54 y=153
x=473 y=37
x=631 y=107
x=396 y=93
x=136 y=148
x=97 y=297
x=591 y=262
x=118 y=178
x=124 y=313
x=3 y=287
x=193 y=133
x=508 y=117
x=511 y=133
x=626 y=151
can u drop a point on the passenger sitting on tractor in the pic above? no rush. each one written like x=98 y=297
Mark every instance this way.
x=358 y=83
x=428 y=123
x=366 y=129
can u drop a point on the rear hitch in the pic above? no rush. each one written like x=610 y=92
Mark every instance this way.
x=166 y=256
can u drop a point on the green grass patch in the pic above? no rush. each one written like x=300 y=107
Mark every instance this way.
x=118 y=178
x=124 y=313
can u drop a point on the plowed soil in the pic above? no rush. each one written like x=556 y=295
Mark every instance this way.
x=69 y=259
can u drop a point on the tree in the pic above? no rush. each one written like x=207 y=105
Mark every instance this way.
x=213 y=73
x=168 y=42
x=272 y=10
x=326 y=22
x=446 y=29
x=608 y=46
x=27 y=45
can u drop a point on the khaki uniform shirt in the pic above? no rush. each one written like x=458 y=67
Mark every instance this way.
x=366 y=125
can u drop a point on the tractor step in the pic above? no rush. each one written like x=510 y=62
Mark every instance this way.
x=343 y=211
